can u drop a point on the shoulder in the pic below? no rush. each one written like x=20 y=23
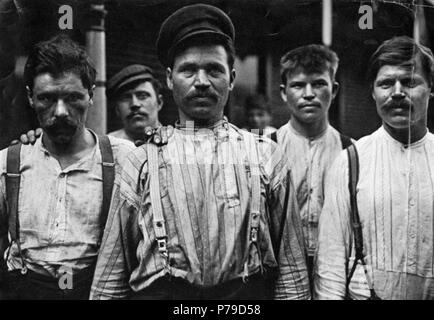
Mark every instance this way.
x=365 y=143
x=120 y=147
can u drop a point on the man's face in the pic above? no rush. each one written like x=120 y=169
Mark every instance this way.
x=309 y=95
x=138 y=108
x=61 y=104
x=258 y=118
x=401 y=95
x=201 y=81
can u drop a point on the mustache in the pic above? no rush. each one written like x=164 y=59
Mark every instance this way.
x=135 y=113
x=391 y=104
x=61 y=125
x=202 y=94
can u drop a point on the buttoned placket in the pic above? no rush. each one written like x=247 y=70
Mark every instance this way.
x=313 y=145
x=412 y=215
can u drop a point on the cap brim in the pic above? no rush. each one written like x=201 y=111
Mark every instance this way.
x=131 y=80
x=167 y=52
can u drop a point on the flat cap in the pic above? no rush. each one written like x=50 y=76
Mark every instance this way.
x=196 y=20
x=126 y=76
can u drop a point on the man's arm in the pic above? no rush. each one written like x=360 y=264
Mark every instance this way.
x=293 y=280
x=334 y=234
x=117 y=255
x=4 y=241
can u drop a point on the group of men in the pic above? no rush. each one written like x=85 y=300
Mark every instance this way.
x=210 y=211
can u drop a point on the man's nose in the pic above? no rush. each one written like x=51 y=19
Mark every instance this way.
x=308 y=92
x=61 y=109
x=134 y=102
x=201 y=79
x=398 y=92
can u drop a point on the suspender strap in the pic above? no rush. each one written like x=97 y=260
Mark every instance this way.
x=13 y=178
x=108 y=176
x=345 y=140
x=353 y=178
x=255 y=199
x=157 y=210
x=273 y=136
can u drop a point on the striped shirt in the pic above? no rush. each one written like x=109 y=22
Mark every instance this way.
x=205 y=194
x=58 y=209
x=395 y=197
x=310 y=160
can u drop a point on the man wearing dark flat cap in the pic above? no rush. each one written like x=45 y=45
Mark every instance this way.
x=135 y=93
x=211 y=214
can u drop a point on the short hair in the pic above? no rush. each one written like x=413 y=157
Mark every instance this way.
x=204 y=40
x=312 y=58
x=56 y=56
x=401 y=51
x=256 y=101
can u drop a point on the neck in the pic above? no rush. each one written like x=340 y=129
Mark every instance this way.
x=199 y=123
x=407 y=135
x=82 y=140
x=309 y=130
x=139 y=133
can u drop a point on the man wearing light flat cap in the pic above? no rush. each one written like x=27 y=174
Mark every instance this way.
x=211 y=214
x=135 y=93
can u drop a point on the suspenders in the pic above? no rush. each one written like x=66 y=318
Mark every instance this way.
x=157 y=210
x=108 y=176
x=255 y=201
x=13 y=178
x=353 y=178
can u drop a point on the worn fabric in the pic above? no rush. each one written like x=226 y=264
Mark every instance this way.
x=395 y=196
x=205 y=195
x=122 y=134
x=310 y=159
x=58 y=209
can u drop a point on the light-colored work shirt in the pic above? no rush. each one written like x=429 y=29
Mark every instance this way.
x=205 y=196
x=395 y=197
x=122 y=134
x=58 y=210
x=309 y=159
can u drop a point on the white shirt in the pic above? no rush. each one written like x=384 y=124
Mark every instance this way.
x=395 y=197
x=58 y=208
x=309 y=160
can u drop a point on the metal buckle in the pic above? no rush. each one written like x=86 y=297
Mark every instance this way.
x=254 y=234
x=24 y=270
x=162 y=246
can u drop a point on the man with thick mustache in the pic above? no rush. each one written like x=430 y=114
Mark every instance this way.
x=394 y=193
x=310 y=143
x=54 y=195
x=136 y=95
x=211 y=214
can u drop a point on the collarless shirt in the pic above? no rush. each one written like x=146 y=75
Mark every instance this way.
x=309 y=160
x=122 y=134
x=395 y=196
x=205 y=195
x=58 y=209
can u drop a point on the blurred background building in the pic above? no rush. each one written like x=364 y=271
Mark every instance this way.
x=122 y=32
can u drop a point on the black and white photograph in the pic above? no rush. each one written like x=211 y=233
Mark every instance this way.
x=241 y=151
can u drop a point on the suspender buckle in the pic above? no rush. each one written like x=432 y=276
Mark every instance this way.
x=162 y=246
x=254 y=234
x=24 y=270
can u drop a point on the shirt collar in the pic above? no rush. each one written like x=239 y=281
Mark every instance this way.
x=412 y=145
x=83 y=164
x=189 y=126
x=315 y=138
